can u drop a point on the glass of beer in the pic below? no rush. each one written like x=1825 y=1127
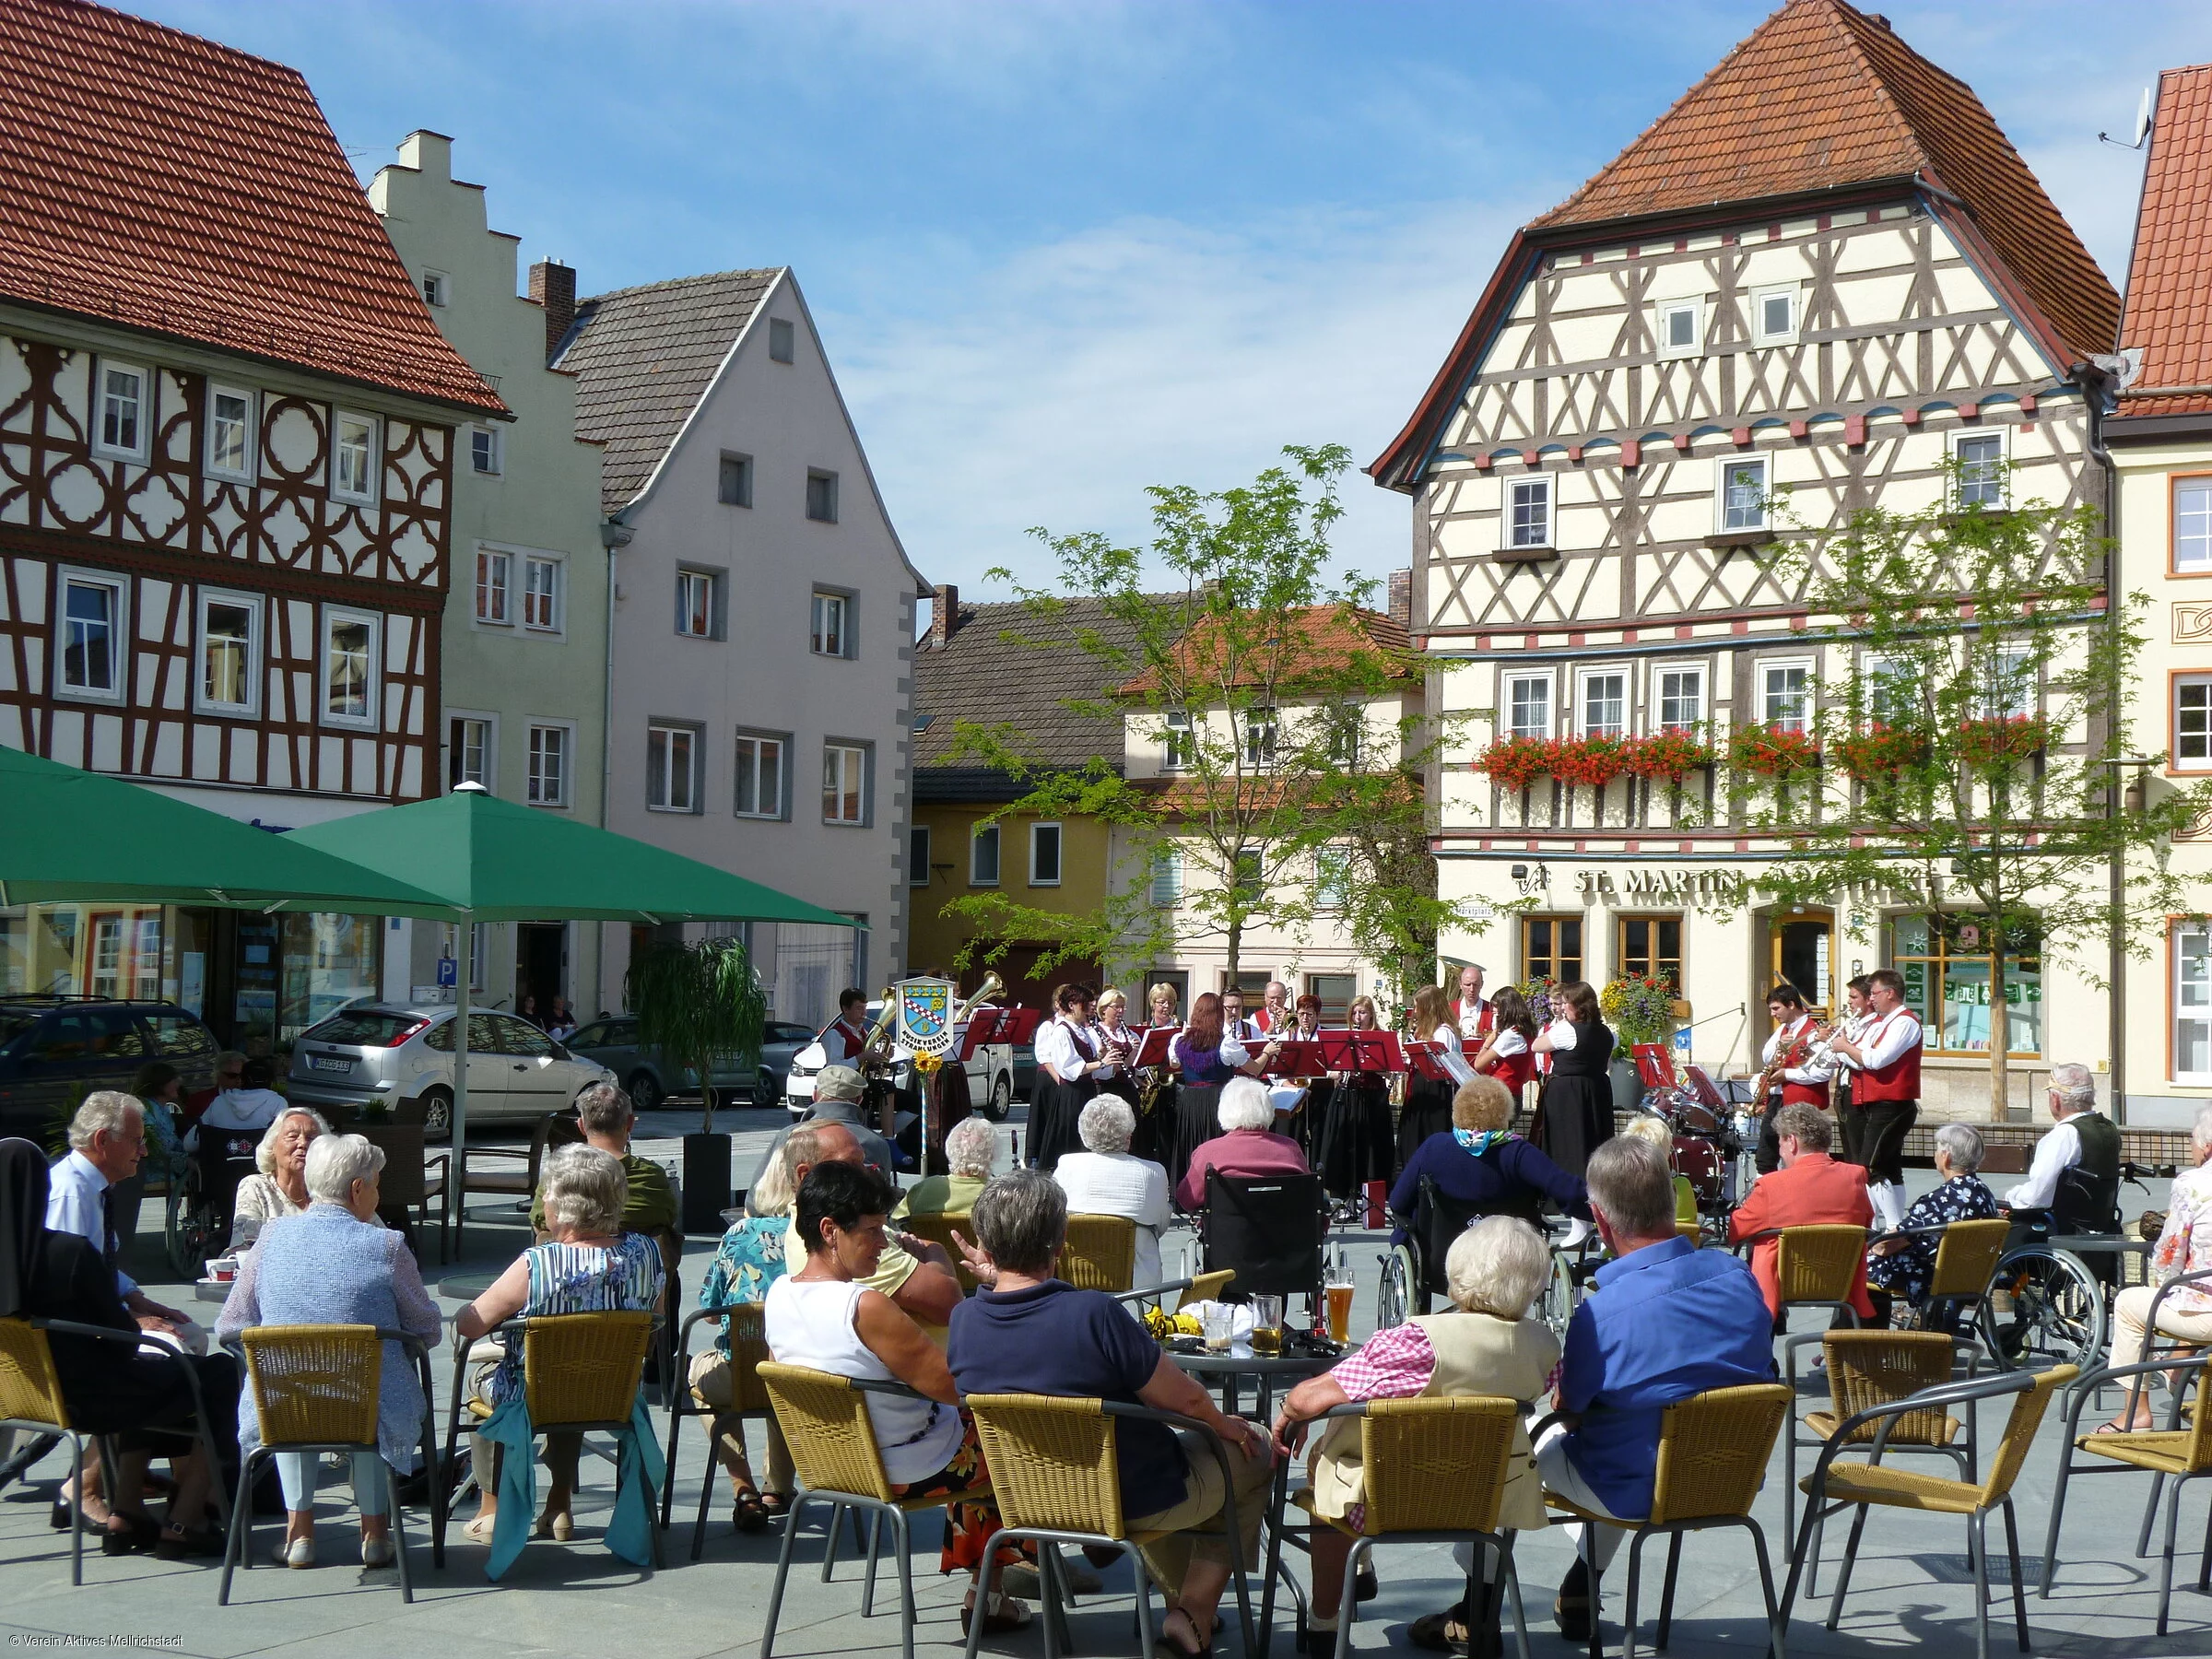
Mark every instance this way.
x=1266 y=1325
x=1220 y=1324
x=1338 y=1291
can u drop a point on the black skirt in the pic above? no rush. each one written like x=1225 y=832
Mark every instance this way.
x=1198 y=1121
x=1426 y=1112
x=1355 y=1140
x=1054 y=1110
x=1574 y=1118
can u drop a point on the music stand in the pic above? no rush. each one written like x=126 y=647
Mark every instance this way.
x=1153 y=1049
x=1298 y=1057
x=1423 y=1061
x=1654 y=1069
x=1349 y=1050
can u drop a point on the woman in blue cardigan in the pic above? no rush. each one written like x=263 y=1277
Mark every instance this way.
x=1479 y=1161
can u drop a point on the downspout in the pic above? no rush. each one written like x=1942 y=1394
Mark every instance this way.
x=614 y=535
x=2099 y=380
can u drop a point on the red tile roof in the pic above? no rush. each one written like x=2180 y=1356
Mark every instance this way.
x=160 y=181
x=2169 y=313
x=1821 y=101
x=1324 y=642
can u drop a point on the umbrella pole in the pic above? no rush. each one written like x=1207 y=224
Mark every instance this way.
x=459 y=1163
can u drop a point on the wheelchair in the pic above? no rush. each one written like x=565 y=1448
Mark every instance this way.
x=2048 y=1296
x=1270 y=1230
x=1413 y=1272
x=202 y=1201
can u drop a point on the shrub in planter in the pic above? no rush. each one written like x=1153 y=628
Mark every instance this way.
x=1638 y=1009
x=1516 y=762
x=1772 y=752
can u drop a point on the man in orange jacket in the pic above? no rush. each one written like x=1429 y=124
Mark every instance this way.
x=1810 y=1188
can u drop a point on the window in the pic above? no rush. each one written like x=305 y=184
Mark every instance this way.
x=231 y=433
x=1785 y=700
x=2191 y=951
x=123 y=414
x=1887 y=688
x=735 y=488
x=495 y=574
x=468 y=750
x=1774 y=316
x=92 y=637
x=353 y=458
x=698 y=604
x=1945 y=963
x=983 y=856
x=1260 y=733
x=821 y=495
x=1980 y=479
x=484 y=451
x=1681 y=699
x=1331 y=877
x=1551 y=947
x=348 y=668
x=1681 y=328
x=541 y=595
x=2008 y=685
x=833 y=623
x=1742 y=498
x=780 y=340
x=671 y=769
x=1044 y=856
x=1528 y=706
x=917 y=856
x=230 y=626
x=548 y=766
x=2193 y=722
x=1166 y=878
x=844 y=783
x=1651 y=946
x=1344 y=737
x=1605 y=704
x=2192 y=525
x=433 y=288
x=1250 y=883
x=1528 y=513
x=1179 y=743
x=761 y=775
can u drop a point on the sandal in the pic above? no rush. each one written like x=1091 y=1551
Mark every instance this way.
x=140 y=1532
x=1004 y=1616
x=1172 y=1648
x=747 y=1514
x=775 y=1504
x=177 y=1544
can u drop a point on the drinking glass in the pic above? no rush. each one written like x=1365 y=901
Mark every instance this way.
x=1340 y=1293
x=1267 y=1324
x=1220 y=1323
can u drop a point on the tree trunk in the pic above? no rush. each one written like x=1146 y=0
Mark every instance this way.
x=1236 y=950
x=2000 y=1037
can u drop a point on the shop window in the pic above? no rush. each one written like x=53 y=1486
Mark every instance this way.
x=1651 y=946
x=1551 y=947
x=2192 y=1000
x=1946 y=963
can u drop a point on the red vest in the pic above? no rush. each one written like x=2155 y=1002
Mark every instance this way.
x=1485 y=1022
x=1514 y=1070
x=851 y=1035
x=1795 y=1051
x=1899 y=1080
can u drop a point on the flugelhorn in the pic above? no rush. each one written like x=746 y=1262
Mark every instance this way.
x=990 y=988
x=875 y=1057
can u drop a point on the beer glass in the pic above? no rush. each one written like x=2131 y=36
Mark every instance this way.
x=1338 y=1291
x=1266 y=1325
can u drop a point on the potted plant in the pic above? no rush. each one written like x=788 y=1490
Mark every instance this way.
x=1640 y=1008
x=699 y=1003
x=1516 y=762
x=2001 y=740
x=1878 y=754
x=1775 y=752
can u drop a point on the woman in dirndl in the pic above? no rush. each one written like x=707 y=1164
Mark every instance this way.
x=1428 y=1109
x=1069 y=1059
x=1204 y=1059
x=1575 y=1114
x=1510 y=1055
x=1354 y=1143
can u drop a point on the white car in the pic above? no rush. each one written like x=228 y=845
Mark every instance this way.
x=990 y=1074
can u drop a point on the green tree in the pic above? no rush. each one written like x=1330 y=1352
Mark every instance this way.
x=699 y=1003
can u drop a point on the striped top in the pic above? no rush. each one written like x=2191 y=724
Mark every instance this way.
x=581 y=1278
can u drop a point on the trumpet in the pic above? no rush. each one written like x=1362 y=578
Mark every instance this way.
x=992 y=987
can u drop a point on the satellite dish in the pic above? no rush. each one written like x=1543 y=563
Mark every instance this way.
x=2142 y=114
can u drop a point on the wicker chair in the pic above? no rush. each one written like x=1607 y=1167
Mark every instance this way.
x=1713 y=1457
x=1202 y=1286
x=31 y=1400
x=1436 y=1472
x=1100 y=1252
x=581 y=1373
x=1872 y=1483
x=937 y=1227
x=315 y=1389
x=748 y=1397
x=832 y=1443
x=1966 y=1258
x=1053 y=1468
x=1815 y=1267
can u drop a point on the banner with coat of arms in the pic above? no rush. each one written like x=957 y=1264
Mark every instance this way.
x=926 y=1010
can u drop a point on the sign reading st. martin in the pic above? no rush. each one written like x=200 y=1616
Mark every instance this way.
x=926 y=1009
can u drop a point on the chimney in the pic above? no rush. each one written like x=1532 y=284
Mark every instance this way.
x=1401 y=598
x=944 y=615
x=553 y=285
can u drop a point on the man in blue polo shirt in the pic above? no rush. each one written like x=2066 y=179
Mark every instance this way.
x=1664 y=1321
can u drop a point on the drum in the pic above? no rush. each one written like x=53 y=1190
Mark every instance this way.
x=1700 y=1161
x=1694 y=1118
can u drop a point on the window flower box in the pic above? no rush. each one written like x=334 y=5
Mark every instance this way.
x=1773 y=752
x=1514 y=763
x=1878 y=754
x=1666 y=756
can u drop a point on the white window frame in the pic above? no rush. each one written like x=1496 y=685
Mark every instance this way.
x=979 y=837
x=829 y=613
x=849 y=754
x=2189 y=998
x=339 y=491
x=1695 y=673
x=564 y=794
x=1584 y=679
x=1768 y=669
x=782 y=340
x=1166 y=877
x=437 y=289
x=142 y=411
x=1332 y=879
x=822 y=474
x=491 y=599
x=1721 y=468
x=1261 y=734
x=780 y=809
x=372 y=692
x=490 y=774
x=1178 y=741
x=119 y=640
x=2008 y=668
x=1793 y=294
x=243 y=473
x=685 y=610
x=1951 y=440
x=1541 y=500
x=1874 y=671
x=917 y=856
x=1059 y=841
x=251 y=604
x=2179 y=762
x=486 y=444
x=2200 y=541
x=694 y=745
x=554 y=592
x=1510 y=725
x=1662 y=311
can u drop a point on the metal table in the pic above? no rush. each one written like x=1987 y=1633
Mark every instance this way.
x=467 y=1286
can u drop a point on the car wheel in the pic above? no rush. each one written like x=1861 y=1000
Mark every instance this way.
x=645 y=1091
x=766 y=1087
x=437 y=1113
x=1001 y=1100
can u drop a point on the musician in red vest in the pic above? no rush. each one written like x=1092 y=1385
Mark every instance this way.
x=1275 y=1017
x=1885 y=1090
x=1791 y=1058
x=1471 y=1012
x=844 y=1037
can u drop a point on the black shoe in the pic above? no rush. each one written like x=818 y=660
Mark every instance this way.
x=1444 y=1632
x=1366 y=1586
x=1570 y=1611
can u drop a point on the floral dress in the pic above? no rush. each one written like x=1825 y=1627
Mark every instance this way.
x=1906 y=1275
x=581 y=1278
x=749 y=1260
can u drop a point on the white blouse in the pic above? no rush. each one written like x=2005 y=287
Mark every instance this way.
x=1508 y=1042
x=1452 y=1057
x=1562 y=1032
x=1059 y=1047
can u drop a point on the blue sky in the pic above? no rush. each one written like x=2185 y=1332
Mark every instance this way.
x=1061 y=251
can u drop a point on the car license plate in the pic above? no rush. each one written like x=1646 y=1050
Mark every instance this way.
x=329 y=1063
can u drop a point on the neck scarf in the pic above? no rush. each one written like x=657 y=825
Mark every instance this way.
x=1479 y=1141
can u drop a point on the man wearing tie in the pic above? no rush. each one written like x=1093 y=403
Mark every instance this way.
x=1471 y=1012
x=107 y=1138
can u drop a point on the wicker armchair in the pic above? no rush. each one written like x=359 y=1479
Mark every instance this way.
x=748 y=1397
x=316 y=1389
x=1713 y=1457
x=1870 y=1483
x=1199 y=1287
x=1815 y=1265
x=1053 y=1468
x=1966 y=1259
x=1100 y=1252
x=937 y=1227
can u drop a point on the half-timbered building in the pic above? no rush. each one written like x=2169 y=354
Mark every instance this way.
x=1823 y=273
x=226 y=460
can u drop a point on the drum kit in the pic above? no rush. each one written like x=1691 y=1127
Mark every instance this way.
x=1713 y=1125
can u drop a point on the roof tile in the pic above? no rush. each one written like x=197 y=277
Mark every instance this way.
x=2169 y=313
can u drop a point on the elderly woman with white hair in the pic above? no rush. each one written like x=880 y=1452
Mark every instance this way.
x=970 y=1152
x=332 y=1263
x=278 y=1187
x=1900 y=1266
x=1107 y=1179
x=1486 y=1345
x=2184 y=1246
x=1247 y=1146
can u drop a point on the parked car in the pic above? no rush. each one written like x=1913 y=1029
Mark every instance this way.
x=55 y=1048
x=378 y=1051
x=651 y=1076
x=992 y=1074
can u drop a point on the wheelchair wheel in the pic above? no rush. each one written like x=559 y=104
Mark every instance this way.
x=188 y=1227
x=1556 y=1306
x=2045 y=1307
x=1393 y=1296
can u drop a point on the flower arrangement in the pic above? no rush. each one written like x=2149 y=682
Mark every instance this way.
x=2003 y=739
x=1773 y=751
x=1638 y=1009
x=1666 y=757
x=1543 y=1000
x=1516 y=762
x=1592 y=760
x=1878 y=753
